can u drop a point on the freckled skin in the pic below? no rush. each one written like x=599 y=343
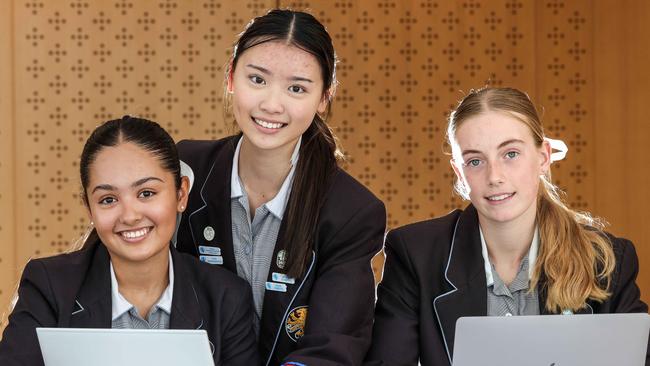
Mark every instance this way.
x=513 y=168
x=273 y=96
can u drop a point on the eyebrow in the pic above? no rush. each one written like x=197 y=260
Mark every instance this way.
x=268 y=72
x=139 y=182
x=505 y=143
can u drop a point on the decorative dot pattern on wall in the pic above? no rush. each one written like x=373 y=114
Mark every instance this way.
x=403 y=65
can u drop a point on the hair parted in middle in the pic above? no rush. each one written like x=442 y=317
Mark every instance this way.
x=575 y=260
x=319 y=152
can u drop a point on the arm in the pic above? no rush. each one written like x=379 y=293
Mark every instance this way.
x=339 y=320
x=239 y=346
x=35 y=308
x=395 y=337
x=626 y=296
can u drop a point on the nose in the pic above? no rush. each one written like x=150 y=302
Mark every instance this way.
x=495 y=173
x=131 y=213
x=271 y=102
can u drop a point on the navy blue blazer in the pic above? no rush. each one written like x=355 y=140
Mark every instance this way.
x=74 y=291
x=325 y=316
x=434 y=274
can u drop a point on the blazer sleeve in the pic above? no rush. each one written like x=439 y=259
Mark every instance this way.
x=626 y=296
x=239 y=346
x=395 y=333
x=339 y=322
x=35 y=308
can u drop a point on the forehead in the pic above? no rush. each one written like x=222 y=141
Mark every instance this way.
x=281 y=58
x=489 y=129
x=124 y=164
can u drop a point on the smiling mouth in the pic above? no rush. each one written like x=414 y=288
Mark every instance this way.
x=268 y=124
x=135 y=235
x=500 y=197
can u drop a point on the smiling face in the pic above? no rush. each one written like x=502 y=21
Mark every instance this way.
x=133 y=202
x=277 y=90
x=498 y=162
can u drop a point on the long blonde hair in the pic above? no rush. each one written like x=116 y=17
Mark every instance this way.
x=575 y=259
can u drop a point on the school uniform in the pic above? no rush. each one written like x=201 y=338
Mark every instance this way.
x=325 y=316
x=74 y=291
x=435 y=273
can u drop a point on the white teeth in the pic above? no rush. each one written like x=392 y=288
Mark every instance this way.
x=135 y=234
x=266 y=124
x=499 y=197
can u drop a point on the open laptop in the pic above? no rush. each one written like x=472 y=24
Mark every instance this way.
x=552 y=340
x=124 y=347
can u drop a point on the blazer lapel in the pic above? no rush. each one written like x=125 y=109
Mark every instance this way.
x=92 y=307
x=185 y=302
x=211 y=224
x=466 y=276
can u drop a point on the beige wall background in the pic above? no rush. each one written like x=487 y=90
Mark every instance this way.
x=66 y=66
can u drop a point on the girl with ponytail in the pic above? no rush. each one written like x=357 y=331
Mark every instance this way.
x=126 y=275
x=517 y=249
x=272 y=205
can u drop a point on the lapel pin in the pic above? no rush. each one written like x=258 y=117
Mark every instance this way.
x=208 y=233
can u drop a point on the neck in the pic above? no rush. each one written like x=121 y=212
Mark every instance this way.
x=508 y=242
x=262 y=172
x=140 y=283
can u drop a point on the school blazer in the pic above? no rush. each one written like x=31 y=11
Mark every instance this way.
x=74 y=291
x=325 y=317
x=434 y=274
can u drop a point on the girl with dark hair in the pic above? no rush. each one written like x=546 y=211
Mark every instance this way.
x=517 y=249
x=126 y=275
x=271 y=204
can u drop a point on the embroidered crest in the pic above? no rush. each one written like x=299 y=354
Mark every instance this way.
x=295 y=323
x=281 y=259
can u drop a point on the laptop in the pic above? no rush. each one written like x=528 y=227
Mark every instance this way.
x=124 y=347
x=552 y=340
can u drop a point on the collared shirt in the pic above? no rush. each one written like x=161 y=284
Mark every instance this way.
x=254 y=242
x=512 y=299
x=125 y=315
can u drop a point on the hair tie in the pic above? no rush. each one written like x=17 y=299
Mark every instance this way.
x=558 y=145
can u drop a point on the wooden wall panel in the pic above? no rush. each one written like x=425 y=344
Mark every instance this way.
x=621 y=128
x=8 y=270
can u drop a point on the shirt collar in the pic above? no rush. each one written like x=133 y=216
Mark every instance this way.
x=278 y=204
x=532 y=256
x=120 y=305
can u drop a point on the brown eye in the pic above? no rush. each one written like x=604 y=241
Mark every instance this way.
x=107 y=201
x=146 y=194
x=256 y=79
x=297 y=89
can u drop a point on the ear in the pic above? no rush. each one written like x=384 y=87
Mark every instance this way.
x=545 y=157
x=229 y=86
x=322 y=106
x=183 y=194
x=458 y=170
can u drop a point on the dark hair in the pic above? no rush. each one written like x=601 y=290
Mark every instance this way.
x=318 y=151
x=146 y=134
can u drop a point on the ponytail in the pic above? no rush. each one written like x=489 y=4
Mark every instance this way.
x=316 y=166
x=575 y=257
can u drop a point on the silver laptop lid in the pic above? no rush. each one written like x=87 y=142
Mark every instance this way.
x=124 y=347
x=552 y=340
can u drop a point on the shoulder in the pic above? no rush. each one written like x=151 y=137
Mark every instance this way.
x=624 y=252
x=433 y=228
x=198 y=153
x=346 y=196
x=425 y=237
x=63 y=265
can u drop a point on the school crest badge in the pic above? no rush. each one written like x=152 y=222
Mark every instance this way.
x=295 y=323
x=281 y=259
